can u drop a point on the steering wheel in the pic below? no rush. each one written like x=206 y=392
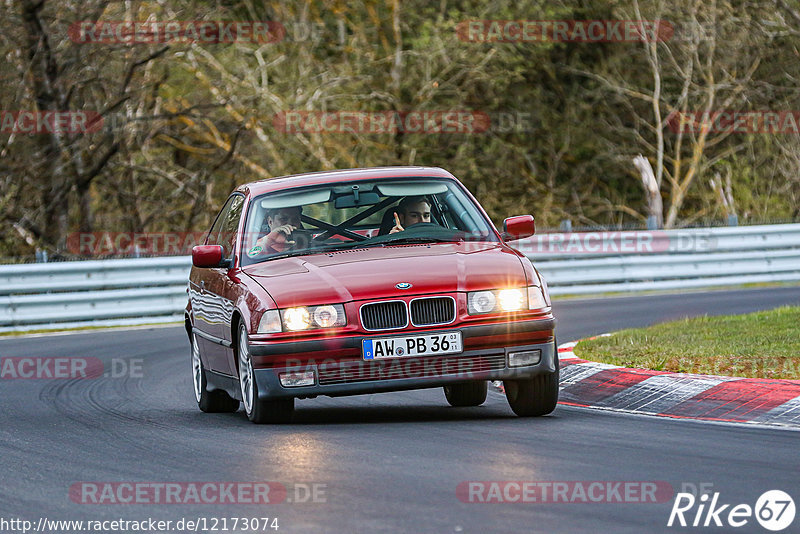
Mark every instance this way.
x=302 y=238
x=344 y=233
x=423 y=226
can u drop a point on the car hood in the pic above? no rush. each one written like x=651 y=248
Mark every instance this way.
x=371 y=273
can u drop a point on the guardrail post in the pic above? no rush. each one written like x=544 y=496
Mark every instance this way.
x=566 y=226
x=733 y=220
x=41 y=256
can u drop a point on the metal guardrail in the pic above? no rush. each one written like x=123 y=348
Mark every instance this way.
x=601 y=262
x=93 y=293
x=153 y=290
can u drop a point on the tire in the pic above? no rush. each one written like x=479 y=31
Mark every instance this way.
x=466 y=393
x=216 y=401
x=535 y=396
x=258 y=411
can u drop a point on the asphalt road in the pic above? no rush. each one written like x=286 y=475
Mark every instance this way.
x=386 y=463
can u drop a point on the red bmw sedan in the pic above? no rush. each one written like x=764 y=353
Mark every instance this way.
x=364 y=281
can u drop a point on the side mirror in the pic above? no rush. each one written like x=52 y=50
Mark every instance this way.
x=518 y=227
x=209 y=256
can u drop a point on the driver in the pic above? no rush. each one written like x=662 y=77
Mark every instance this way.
x=411 y=211
x=282 y=222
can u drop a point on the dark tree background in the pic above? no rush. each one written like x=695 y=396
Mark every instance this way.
x=184 y=123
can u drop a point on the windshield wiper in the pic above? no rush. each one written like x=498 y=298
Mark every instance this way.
x=359 y=245
x=320 y=250
x=406 y=240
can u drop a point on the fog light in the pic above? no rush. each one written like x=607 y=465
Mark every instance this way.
x=296 y=379
x=521 y=359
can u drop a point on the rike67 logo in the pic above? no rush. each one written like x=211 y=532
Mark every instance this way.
x=774 y=510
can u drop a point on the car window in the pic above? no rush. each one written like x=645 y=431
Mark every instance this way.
x=213 y=234
x=360 y=214
x=230 y=225
x=223 y=232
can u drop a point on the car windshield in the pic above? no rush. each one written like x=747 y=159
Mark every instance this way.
x=361 y=214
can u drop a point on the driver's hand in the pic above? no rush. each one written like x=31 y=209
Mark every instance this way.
x=397 y=226
x=278 y=239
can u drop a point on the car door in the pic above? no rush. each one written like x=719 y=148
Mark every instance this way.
x=220 y=286
x=207 y=307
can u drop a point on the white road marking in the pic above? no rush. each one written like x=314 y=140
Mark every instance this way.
x=659 y=393
x=788 y=412
x=581 y=371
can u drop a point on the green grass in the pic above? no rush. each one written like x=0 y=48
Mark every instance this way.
x=757 y=345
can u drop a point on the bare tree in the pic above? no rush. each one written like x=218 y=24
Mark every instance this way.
x=60 y=76
x=708 y=66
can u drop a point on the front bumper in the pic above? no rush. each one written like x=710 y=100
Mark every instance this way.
x=354 y=377
x=500 y=334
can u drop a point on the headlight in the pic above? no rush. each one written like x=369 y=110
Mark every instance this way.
x=297 y=318
x=503 y=300
x=307 y=317
x=326 y=316
x=511 y=299
x=270 y=322
x=481 y=302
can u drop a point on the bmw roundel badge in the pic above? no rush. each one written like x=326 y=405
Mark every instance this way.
x=403 y=285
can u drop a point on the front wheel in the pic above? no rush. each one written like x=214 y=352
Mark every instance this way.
x=533 y=397
x=259 y=411
x=466 y=393
x=216 y=401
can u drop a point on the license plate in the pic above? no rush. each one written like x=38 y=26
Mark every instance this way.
x=405 y=346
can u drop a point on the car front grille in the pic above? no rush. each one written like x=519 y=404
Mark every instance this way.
x=384 y=315
x=399 y=368
x=433 y=311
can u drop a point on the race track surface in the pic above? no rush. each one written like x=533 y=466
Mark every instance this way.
x=387 y=463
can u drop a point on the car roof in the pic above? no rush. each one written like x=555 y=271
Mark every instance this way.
x=342 y=175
